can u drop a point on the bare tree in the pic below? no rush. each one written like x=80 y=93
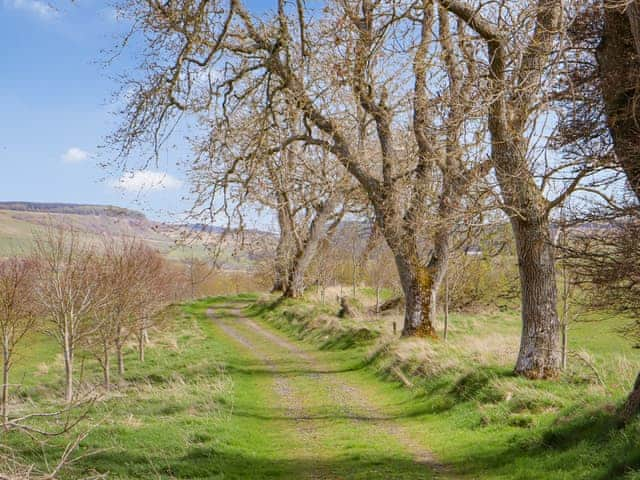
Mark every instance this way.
x=349 y=95
x=605 y=38
x=136 y=288
x=17 y=316
x=198 y=271
x=523 y=58
x=307 y=191
x=618 y=59
x=66 y=291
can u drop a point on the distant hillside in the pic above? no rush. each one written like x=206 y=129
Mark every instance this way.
x=74 y=208
x=19 y=221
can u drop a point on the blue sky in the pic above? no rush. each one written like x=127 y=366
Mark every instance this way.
x=55 y=110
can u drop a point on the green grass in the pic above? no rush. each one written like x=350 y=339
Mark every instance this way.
x=202 y=405
x=175 y=419
x=488 y=423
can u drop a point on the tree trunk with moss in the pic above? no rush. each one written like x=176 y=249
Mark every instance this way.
x=416 y=281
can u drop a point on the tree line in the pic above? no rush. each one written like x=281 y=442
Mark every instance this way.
x=91 y=297
x=430 y=118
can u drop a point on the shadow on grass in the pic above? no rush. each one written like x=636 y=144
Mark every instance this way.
x=591 y=445
x=588 y=444
x=206 y=461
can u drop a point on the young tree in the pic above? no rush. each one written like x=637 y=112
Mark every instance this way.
x=66 y=291
x=17 y=316
x=136 y=288
x=198 y=271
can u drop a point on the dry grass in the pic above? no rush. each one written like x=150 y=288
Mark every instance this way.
x=493 y=349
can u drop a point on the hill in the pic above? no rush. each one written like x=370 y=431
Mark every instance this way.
x=72 y=208
x=19 y=221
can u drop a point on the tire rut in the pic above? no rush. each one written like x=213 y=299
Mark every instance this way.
x=351 y=400
x=289 y=399
x=355 y=402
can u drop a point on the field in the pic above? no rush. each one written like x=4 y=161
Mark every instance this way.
x=17 y=230
x=241 y=388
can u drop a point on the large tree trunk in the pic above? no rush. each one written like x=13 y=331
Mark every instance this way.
x=284 y=250
x=296 y=285
x=619 y=64
x=631 y=407
x=282 y=262
x=539 y=355
x=619 y=61
x=416 y=281
x=438 y=265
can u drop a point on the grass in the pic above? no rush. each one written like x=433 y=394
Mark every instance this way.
x=173 y=416
x=203 y=404
x=476 y=415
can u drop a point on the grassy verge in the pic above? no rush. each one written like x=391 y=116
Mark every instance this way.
x=467 y=405
x=169 y=417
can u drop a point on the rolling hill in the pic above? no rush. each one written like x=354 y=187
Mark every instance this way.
x=19 y=221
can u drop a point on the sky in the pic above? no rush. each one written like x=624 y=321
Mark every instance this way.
x=56 y=109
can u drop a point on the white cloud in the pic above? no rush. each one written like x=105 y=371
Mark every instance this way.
x=74 y=155
x=35 y=7
x=140 y=180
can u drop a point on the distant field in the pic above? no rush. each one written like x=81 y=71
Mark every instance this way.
x=17 y=228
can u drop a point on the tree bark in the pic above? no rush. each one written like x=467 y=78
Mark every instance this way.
x=618 y=58
x=142 y=338
x=416 y=281
x=67 y=354
x=106 y=366
x=282 y=261
x=120 y=357
x=565 y=344
x=68 y=376
x=619 y=64
x=141 y=344
x=284 y=250
x=304 y=255
x=5 y=384
x=539 y=355
x=631 y=407
x=438 y=265
x=446 y=308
